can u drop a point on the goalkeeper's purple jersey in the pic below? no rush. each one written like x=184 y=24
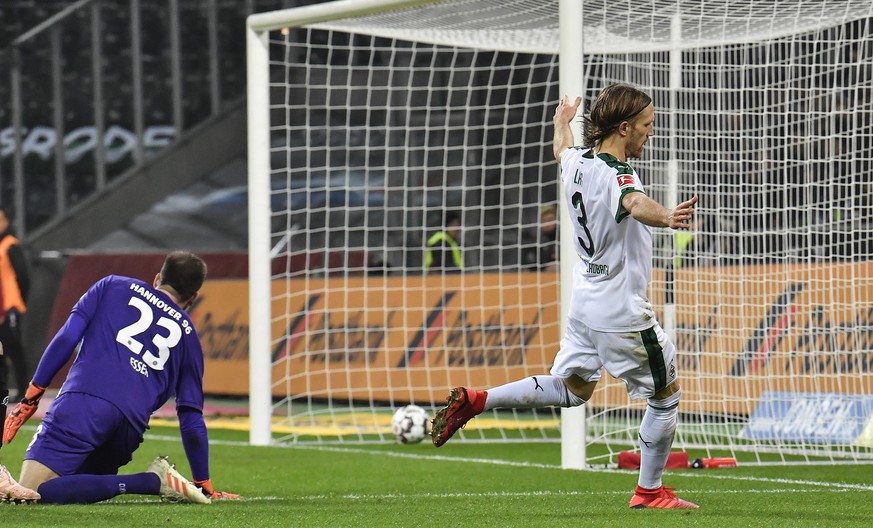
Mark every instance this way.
x=138 y=350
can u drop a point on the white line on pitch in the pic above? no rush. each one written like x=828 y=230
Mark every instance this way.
x=538 y=493
x=696 y=474
x=709 y=474
x=153 y=501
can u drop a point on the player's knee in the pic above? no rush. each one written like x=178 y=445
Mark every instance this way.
x=666 y=403
x=572 y=400
x=577 y=391
x=667 y=391
x=34 y=473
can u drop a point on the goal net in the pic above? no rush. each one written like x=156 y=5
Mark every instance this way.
x=373 y=123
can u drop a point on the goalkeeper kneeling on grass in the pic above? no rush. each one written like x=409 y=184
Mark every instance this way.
x=138 y=349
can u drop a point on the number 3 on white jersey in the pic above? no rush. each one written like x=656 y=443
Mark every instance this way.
x=126 y=336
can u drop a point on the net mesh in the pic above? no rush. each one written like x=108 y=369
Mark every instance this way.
x=383 y=123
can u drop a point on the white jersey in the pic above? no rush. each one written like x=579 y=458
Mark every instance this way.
x=610 y=283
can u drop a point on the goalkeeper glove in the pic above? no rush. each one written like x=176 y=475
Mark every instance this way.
x=207 y=489
x=22 y=411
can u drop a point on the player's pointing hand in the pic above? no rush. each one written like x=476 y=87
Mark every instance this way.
x=680 y=216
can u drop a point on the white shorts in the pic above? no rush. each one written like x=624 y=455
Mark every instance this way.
x=645 y=360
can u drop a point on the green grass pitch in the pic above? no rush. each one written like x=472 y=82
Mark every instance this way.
x=460 y=484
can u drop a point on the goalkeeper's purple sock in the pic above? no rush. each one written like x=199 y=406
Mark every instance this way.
x=88 y=489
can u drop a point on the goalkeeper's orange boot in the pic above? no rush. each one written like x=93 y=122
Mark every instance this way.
x=12 y=491
x=461 y=406
x=175 y=487
x=662 y=497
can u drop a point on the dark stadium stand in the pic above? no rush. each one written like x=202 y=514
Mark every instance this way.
x=106 y=220
x=46 y=224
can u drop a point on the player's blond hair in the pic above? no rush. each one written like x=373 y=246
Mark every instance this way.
x=614 y=104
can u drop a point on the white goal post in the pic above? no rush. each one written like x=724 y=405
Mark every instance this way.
x=369 y=122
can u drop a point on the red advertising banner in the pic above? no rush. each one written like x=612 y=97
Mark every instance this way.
x=794 y=328
x=739 y=331
x=365 y=337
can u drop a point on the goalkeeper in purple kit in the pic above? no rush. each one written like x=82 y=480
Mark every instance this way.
x=137 y=349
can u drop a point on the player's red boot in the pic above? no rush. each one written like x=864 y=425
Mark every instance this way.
x=662 y=497
x=461 y=406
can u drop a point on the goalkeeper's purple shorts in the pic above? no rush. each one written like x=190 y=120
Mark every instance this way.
x=83 y=434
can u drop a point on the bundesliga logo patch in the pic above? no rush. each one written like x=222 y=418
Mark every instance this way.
x=625 y=180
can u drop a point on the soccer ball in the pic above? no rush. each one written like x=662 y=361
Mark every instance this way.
x=410 y=424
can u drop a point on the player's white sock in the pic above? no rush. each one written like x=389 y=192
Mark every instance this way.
x=532 y=393
x=656 y=439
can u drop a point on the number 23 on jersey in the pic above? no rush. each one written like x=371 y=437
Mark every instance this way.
x=130 y=335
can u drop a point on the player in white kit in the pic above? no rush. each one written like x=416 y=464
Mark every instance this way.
x=611 y=322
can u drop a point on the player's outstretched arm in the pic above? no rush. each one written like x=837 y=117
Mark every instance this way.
x=650 y=212
x=56 y=355
x=195 y=440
